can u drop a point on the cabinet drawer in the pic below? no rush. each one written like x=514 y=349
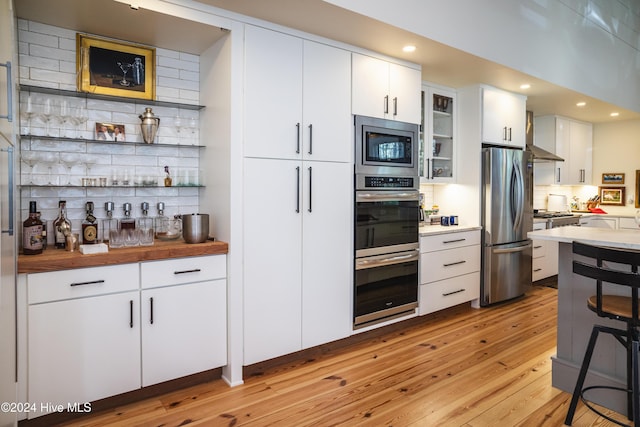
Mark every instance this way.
x=439 y=242
x=539 y=249
x=447 y=293
x=154 y=274
x=538 y=269
x=81 y=282
x=449 y=263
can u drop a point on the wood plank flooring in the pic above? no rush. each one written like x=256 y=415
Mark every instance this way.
x=459 y=367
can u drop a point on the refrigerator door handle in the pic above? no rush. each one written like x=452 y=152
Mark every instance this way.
x=512 y=250
x=519 y=189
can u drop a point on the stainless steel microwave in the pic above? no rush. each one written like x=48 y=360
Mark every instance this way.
x=386 y=147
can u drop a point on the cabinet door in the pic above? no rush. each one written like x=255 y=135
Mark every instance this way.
x=328 y=127
x=562 y=174
x=183 y=330
x=404 y=94
x=327 y=242
x=273 y=94
x=84 y=349
x=370 y=86
x=272 y=258
x=581 y=153
x=503 y=118
x=439 y=137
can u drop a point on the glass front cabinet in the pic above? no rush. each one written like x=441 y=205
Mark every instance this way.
x=438 y=135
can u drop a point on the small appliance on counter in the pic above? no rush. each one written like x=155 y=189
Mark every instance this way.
x=195 y=228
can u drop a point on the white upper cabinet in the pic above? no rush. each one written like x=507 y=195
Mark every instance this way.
x=438 y=149
x=297 y=96
x=503 y=117
x=385 y=90
x=570 y=139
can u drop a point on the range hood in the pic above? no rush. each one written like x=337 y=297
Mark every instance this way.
x=538 y=154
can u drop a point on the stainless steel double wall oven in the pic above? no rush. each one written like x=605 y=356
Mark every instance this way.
x=386 y=220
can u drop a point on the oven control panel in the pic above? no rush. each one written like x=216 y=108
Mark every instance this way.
x=388 y=182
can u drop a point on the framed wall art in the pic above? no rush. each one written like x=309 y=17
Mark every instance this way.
x=611 y=196
x=613 y=178
x=110 y=132
x=114 y=68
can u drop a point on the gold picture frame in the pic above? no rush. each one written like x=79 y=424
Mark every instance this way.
x=113 y=68
x=612 y=178
x=612 y=196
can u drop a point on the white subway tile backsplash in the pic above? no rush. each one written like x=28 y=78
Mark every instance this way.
x=48 y=59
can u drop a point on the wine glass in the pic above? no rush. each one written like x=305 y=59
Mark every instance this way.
x=65 y=119
x=50 y=158
x=68 y=160
x=30 y=158
x=89 y=161
x=26 y=114
x=80 y=118
x=45 y=115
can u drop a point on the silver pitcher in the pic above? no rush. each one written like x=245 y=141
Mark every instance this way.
x=149 y=125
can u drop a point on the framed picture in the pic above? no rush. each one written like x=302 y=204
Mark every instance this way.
x=113 y=68
x=611 y=196
x=613 y=178
x=109 y=132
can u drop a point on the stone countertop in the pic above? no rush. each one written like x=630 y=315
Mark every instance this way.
x=53 y=259
x=428 y=230
x=621 y=238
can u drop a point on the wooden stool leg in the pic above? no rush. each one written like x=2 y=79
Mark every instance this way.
x=582 y=376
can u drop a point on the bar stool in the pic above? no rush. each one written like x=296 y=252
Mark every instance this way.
x=623 y=308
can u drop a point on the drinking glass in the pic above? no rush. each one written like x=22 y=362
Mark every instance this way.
x=145 y=229
x=68 y=160
x=30 y=158
x=116 y=237
x=131 y=236
x=26 y=114
x=50 y=158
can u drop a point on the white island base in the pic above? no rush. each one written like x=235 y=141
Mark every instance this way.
x=575 y=320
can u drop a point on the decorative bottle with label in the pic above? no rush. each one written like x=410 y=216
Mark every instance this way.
x=44 y=231
x=32 y=232
x=167 y=178
x=89 y=226
x=62 y=226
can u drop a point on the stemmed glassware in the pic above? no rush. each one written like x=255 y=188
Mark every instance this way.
x=68 y=160
x=65 y=119
x=89 y=161
x=80 y=119
x=46 y=115
x=26 y=114
x=50 y=158
x=30 y=158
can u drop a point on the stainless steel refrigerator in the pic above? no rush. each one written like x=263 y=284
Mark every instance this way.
x=506 y=216
x=8 y=126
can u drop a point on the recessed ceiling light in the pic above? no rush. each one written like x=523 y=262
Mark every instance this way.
x=615 y=114
x=525 y=86
x=581 y=104
x=409 y=48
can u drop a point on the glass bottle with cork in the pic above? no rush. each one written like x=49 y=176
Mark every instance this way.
x=62 y=226
x=89 y=226
x=32 y=232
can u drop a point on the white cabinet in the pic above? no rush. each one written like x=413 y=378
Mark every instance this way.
x=183 y=306
x=297 y=98
x=449 y=270
x=438 y=142
x=569 y=139
x=385 y=90
x=545 y=256
x=503 y=117
x=599 y=222
x=93 y=333
x=298 y=254
x=83 y=334
x=627 y=223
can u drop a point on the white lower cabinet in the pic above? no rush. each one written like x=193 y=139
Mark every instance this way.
x=92 y=332
x=544 y=261
x=449 y=270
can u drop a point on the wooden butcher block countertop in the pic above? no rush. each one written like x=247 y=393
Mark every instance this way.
x=53 y=259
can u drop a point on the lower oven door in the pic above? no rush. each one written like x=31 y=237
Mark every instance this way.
x=386 y=221
x=385 y=286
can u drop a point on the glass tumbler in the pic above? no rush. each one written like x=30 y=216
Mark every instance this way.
x=145 y=229
x=116 y=238
x=131 y=236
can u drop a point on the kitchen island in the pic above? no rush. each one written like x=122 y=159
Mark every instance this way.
x=575 y=320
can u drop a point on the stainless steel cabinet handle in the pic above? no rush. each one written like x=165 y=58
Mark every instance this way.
x=537 y=269
x=9 y=115
x=311 y=139
x=454 y=292
x=93 y=282
x=195 y=270
x=298 y=189
x=537 y=247
x=151 y=310
x=297 y=138
x=395 y=106
x=558 y=179
x=454 y=241
x=386 y=104
x=131 y=313
x=504 y=133
x=310 y=187
x=454 y=263
x=509 y=134
x=9 y=230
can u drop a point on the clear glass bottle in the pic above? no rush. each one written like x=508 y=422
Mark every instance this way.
x=167 y=178
x=89 y=226
x=127 y=221
x=160 y=222
x=62 y=225
x=32 y=232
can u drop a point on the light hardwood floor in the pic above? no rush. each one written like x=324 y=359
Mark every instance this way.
x=459 y=367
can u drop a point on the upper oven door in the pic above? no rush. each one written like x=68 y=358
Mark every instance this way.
x=386 y=147
x=386 y=221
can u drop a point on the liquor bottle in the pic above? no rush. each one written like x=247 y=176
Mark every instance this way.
x=160 y=222
x=89 y=226
x=44 y=231
x=62 y=225
x=127 y=221
x=32 y=232
x=167 y=178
